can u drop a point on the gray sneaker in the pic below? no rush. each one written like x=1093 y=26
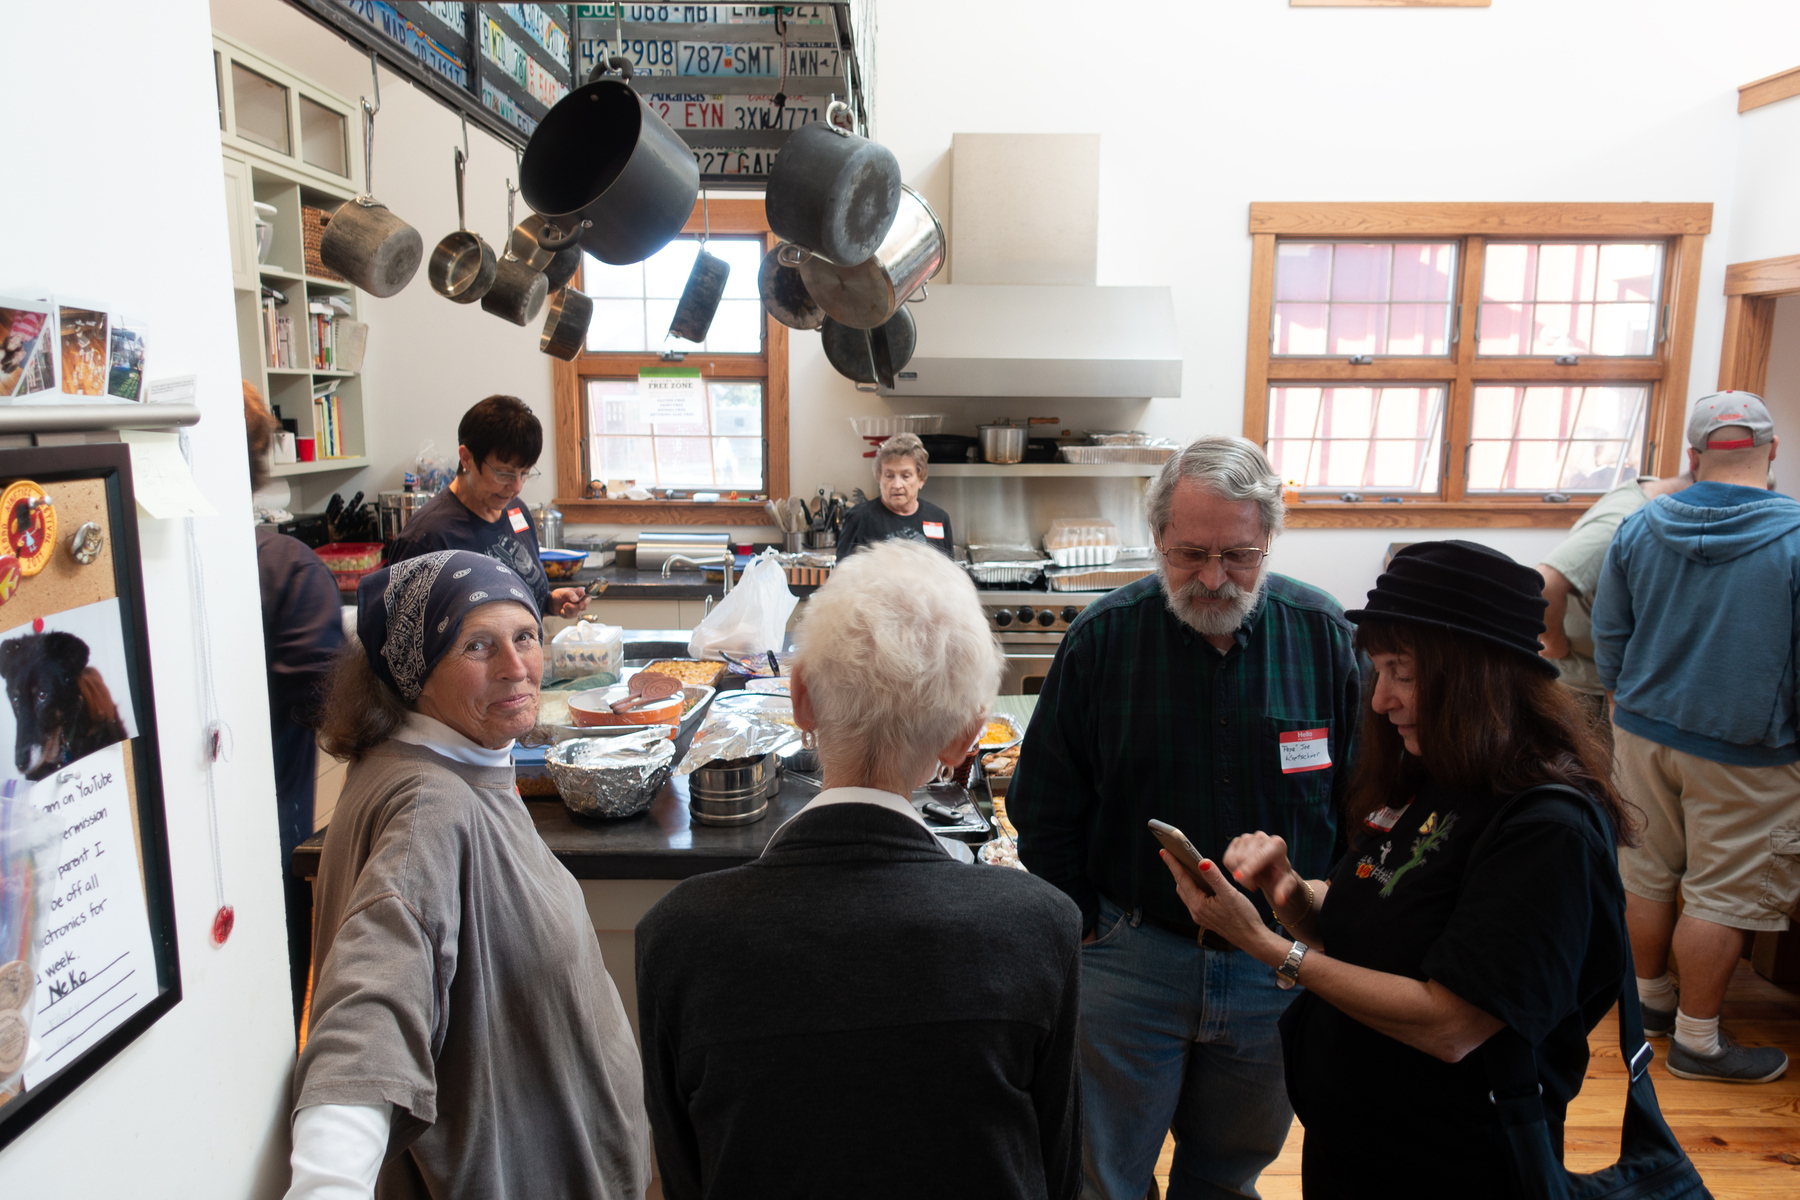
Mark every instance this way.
x=1732 y=1064
x=1658 y=1022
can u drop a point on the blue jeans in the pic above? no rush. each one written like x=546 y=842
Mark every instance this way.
x=1175 y=1037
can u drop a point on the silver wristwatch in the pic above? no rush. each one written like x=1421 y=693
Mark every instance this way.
x=1288 y=973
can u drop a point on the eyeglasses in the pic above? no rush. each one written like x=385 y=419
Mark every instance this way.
x=1193 y=558
x=511 y=477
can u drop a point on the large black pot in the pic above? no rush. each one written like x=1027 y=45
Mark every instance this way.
x=832 y=191
x=604 y=156
x=870 y=356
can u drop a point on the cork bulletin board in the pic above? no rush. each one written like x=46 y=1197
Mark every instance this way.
x=92 y=964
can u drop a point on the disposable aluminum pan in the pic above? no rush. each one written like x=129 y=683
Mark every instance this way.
x=1117 y=454
x=611 y=777
x=1099 y=579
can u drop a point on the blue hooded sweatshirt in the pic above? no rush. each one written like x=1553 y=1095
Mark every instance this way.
x=1697 y=623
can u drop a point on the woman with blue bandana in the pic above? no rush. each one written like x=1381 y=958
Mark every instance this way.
x=465 y=1038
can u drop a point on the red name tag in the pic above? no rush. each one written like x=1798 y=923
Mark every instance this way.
x=519 y=520
x=933 y=529
x=1304 y=750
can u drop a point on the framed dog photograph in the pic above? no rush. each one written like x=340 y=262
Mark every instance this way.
x=87 y=928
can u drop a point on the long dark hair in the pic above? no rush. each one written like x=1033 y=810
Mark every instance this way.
x=360 y=711
x=1488 y=722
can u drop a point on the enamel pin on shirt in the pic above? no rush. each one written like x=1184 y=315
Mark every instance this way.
x=1304 y=750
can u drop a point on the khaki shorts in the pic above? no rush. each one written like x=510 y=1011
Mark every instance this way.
x=1728 y=837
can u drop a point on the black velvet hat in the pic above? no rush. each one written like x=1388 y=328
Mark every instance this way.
x=1462 y=586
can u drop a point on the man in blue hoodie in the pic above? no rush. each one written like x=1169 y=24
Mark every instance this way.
x=1696 y=636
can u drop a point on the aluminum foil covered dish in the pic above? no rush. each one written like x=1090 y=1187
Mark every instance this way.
x=749 y=728
x=611 y=776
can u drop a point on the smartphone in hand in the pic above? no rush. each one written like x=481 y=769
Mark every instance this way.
x=1177 y=844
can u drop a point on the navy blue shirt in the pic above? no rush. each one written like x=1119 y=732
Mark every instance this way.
x=446 y=523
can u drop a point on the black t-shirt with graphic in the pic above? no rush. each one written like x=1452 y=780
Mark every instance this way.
x=446 y=523
x=874 y=522
x=1535 y=937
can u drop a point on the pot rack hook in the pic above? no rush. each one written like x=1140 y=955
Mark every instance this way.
x=705 y=219
x=374 y=75
x=465 y=129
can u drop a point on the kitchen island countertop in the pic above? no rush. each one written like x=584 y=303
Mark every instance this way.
x=659 y=843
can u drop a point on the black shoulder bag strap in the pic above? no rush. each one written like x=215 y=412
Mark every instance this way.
x=1652 y=1165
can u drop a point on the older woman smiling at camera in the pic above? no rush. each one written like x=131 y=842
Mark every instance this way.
x=463 y=1028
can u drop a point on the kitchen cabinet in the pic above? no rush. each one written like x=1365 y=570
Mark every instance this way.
x=264 y=161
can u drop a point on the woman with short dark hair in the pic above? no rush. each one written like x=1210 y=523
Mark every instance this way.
x=463 y=1029
x=897 y=511
x=498 y=444
x=1415 y=951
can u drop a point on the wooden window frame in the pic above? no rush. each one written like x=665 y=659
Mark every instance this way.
x=1681 y=227
x=1751 y=289
x=729 y=218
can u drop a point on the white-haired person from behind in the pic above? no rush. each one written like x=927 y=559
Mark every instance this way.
x=856 y=982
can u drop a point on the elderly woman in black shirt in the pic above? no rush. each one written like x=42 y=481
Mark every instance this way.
x=1413 y=953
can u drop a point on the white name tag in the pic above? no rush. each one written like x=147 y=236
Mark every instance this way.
x=1384 y=818
x=519 y=520
x=933 y=529
x=1304 y=750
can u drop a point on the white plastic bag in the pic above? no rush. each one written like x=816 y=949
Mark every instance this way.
x=753 y=618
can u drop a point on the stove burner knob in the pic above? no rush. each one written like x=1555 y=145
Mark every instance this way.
x=1069 y=613
x=1003 y=618
x=1026 y=613
x=1046 y=618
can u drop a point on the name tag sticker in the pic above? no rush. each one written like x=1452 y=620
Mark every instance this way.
x=933 y=529
x=1304 y=750
x=519 y=520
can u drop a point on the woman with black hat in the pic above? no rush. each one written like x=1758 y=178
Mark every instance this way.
x=1416 y=950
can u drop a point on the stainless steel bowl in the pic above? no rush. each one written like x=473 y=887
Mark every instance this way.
x=610 y=776
x=1003 y=443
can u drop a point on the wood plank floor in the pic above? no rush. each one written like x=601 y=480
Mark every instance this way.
x=1745 y=1138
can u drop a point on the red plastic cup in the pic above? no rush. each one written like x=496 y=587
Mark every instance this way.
x=304 y=449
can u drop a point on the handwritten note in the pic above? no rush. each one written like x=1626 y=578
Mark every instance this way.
x=95 y=963
x=160 y=477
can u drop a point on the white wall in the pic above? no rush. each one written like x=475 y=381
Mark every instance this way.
x=429 y=358
x=1204 y=108
x=195 y=1107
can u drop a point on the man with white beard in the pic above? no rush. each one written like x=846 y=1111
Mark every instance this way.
x=1219 y=698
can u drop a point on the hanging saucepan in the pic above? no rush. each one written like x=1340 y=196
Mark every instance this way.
x=566 y=324
x=867 y=294
x=870 y=356
x=363 y=241
x=699 y=302
x=603 y=155
x=832 y=191
x=462 y=266
x=518 y=291
x=547 y=248
x=784 y=294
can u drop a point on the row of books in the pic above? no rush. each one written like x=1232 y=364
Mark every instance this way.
x=328 y=426
x=334 y=342
x=278 y=337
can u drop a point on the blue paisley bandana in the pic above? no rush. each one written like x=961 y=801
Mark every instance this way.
x=409 y=613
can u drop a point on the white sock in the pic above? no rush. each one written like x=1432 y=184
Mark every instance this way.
x=1695 y=1035
x=1658 y=993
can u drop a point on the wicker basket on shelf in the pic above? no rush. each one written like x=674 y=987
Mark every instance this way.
x=312 y=226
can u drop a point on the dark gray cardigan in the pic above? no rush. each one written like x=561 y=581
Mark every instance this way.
x=855 y=1013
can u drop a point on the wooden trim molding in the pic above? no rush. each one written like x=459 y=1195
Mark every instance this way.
x=1749 y=338
x=1433 y=514
x=1764 y=277
x=1262 y=325
x=663 y=512
x=1682 y=294
x=1769 y=89
x=1493 y=220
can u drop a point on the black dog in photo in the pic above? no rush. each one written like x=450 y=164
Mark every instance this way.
x=63 y=708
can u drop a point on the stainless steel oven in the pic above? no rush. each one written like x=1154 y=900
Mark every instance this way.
x=1030 y=626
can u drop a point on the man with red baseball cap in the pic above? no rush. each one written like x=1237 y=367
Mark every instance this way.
x=1696 y=637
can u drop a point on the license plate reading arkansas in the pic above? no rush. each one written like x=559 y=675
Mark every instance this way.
x=690 y=111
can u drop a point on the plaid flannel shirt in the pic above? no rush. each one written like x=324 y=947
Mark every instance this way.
x=1141 y=717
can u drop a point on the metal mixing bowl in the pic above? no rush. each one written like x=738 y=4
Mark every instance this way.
x=611 y=776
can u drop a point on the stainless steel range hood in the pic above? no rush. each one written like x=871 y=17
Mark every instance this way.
x=1051 y=340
